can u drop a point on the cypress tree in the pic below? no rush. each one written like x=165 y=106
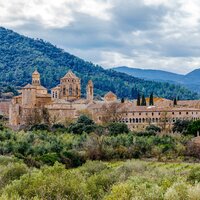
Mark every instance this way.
x=138 y=99
x=143 y=101
x=175 y=101
x=151 y=103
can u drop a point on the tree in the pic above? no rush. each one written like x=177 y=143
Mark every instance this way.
x=143 y=101
x=175 y=101
x=138 y=99
x=194 y=127
x=180 y=126
x=151 y=102
x=117 y=128
x=112 y=112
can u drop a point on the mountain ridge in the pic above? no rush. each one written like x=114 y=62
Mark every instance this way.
x=190 y=80
x=20 y=55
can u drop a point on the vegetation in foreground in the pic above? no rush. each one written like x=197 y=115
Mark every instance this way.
x=100 y=180
x=87 y=161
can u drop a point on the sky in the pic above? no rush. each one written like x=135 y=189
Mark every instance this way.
x=147 y=34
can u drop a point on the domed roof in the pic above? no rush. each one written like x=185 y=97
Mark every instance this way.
x=70 y=74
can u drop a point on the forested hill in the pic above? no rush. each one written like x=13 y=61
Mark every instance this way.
x=20 y=55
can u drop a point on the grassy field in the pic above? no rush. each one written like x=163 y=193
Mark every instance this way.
x=131 y=179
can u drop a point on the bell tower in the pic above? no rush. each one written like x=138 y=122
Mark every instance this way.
x=90 y=92
x=35 y=78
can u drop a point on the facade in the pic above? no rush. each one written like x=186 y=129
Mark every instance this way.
x=65 y=104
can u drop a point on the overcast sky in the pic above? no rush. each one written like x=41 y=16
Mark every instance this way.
x=157 y=34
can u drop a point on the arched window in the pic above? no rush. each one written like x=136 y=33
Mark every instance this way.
x=77 y=90
x=70 y=90
x=53 y=94
x=64 y=91
x=130 y=120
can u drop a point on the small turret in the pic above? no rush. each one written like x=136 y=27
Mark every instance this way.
x=35 y=78
x=90 y=92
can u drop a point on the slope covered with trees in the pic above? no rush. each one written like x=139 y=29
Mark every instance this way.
x=20 y=55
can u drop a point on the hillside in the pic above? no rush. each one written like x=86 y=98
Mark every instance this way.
x=20 y=55
x=190 y=80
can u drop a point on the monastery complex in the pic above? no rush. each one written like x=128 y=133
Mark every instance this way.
x=65 y=103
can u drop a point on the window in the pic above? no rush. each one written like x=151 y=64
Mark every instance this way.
x=172 y=113
x=77 y=90
x=186 y=113
x=64 y=91
x=139 y=113
x=70 y=90
x=179 y=113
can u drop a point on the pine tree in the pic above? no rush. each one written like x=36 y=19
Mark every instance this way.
x=143 y=101
x=138 y=99
x=151 y=102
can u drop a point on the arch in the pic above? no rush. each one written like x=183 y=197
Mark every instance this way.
x=64 y=91
x=70 y=90
x=77 y=90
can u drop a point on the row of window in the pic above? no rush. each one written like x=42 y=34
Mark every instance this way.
x=159 y=113
x=69 y=80
x=153 y=120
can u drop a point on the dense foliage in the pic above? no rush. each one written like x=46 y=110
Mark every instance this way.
x=99 y=180
x=20 y=55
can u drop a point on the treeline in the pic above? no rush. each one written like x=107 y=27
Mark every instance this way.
x=19 y=56
x=84 y=140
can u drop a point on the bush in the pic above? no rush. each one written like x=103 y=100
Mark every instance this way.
x=72 y=158
x=12 y=172
x=42 y=127
x=153 y=128
x=117 y=128
x=58 y=127
x=49 y=158
x=194 y=175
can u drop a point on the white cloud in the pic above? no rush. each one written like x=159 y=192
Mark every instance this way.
x=158 y=34
x=50 y=13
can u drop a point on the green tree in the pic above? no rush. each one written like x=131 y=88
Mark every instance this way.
x=151 y=102
x=117 y=128
x=143 y=101
x=175 y=101
x=194 y=128
x=138 y=99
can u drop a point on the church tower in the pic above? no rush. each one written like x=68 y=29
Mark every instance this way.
x=90 y=92
x=35 y=78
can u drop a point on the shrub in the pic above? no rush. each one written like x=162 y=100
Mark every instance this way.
x=12 y=172
x=194 y=175
x=117 y=128
x=49 y=158
x=72 y=158
x=39 y=127
x=153 y=128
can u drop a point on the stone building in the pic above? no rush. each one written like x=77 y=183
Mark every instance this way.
x=65 y=104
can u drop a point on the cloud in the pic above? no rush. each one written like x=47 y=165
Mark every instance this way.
x=162 y=34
